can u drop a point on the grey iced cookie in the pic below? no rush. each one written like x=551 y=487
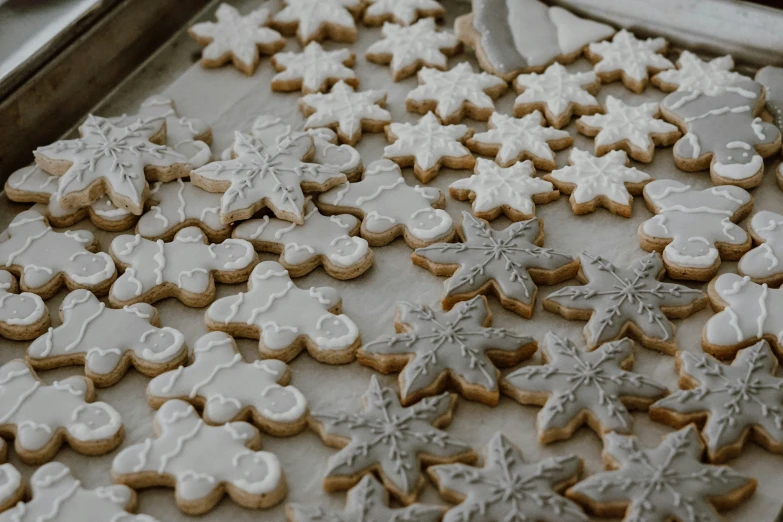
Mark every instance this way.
x=436 y=350
x=394 y=441
x=763 y=263
x=12 y=488
x=616 y=301
x=506 y=262
x=507 y=488
x=22 y=316
x=575 y=387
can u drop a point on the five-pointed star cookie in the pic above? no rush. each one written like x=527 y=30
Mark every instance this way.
x=403 y=12
x=496 y=190
x=367 y=501
x=456 y=93
x=668 y=482
x=434 y=350
x=557 y=93
x=607 y=181
x=578 y=387
x=695 y=74
x=313 y=69
x=616 y=301
x=763 y=263
x=636 y=129
x=391 y=440
x=428 y=145
x=346 y=112
x=408 y=49
x=508 y=489
x=317 y=20
x=515 y=139
x=506 y=262
x=733 y=402
x=236 y=38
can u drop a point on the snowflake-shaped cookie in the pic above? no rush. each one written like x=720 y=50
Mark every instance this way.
x=313 y=69
x=694 y=229
x=26 y=249
x=402 y=12
x=496 y=190
x=763 y=263
x=695 y=74
x=408 y=49
x=266 y=174
x=456 y=93
x=617 y=301
x=508 y=489
x=390 y=208
x=22 y=316
x=578 y=387
x=606 y=181
x=117 y=160
x=287 y=319
x=317 y=20
x=330 y=241
x=507 y=262
x=434 y=350
x=732 y=401
x=636 y=129
x=201 y=462
x=668 y=482
x=558 y=94
x=41 y=417
x=394 y=441
x=515 y=139
x=628 y=59
x=428 y=145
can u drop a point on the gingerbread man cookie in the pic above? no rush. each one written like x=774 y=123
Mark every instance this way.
x=317 y=20
x=763 y=263
x=771 y=78
x=402 y=12
x=12 y=489
x=695 y=74
x=23 y=316
x=313 y=70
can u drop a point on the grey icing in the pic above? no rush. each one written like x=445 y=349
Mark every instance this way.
x=344 y=108
x=38 y=414
x=694 y=220
x=743 y=395
x=509 y=489
x=771 y=78
x=314 y=67
x=668 y=482
x=500 y=258
x=198 y=458
x=188 y=263
x=392 y=438
x=19 y=311
x=420 y=43
x=27 y=246
x=724 y=124
x=455 y=343
x=764 y=261
x=11 y=487
x=620 y=296
x=104 y=337
x=367 y=501
x=229 y=387
x=578 y=381
x=58 y=495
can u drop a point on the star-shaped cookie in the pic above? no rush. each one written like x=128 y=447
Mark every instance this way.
x=317 y=20
x=403 y=12
x=313 y=69
x=695 y=74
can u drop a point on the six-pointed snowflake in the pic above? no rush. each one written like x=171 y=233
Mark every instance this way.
x=403 y=12
x=318 y=19
x=695 y=74
x=313 y=70
x=628 y=58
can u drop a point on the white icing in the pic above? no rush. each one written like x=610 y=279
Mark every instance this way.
x=20 y=310
x=312 y=15
x=557 y=89
x=315 y=68
x=403 y=12
x=633 y=57
x=428 y=142
x=695 y=74
x=180 y=202
x=345 y=109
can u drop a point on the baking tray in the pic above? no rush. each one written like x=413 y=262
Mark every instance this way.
x=229 y=101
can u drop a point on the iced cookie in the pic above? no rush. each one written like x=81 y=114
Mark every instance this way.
x=456 y=93
x=202 y=462
x=617 y=302
x=40 y=417
x=390 y=208
x=516 y=139
x=695 y=74
x=318 y=20
x=408 y=49
x=428 y=145
x=636 y=129
x=695 y=229
x=227 y=389
x=287 y=319
x=771 y=78
x=313 y=69
x=607 y=181
x=558 y=94
x=412 y=434
x=496 y=190
x=185 y=268
x=26 y=249
x=107 y=342
x=402 y=12
x=330 y=241
x=508 y=488
x=763 y=263
x=436 y=350
x=23 y=316
x=514 y=36
x=629 y=59
x=508 y=263
x=723 y=132
x=668 y=482
x=576 y=387
x=12 y=489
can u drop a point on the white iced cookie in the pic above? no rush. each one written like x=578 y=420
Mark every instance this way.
x=23 y=316
x=402 y=12
x=12 y=489
x=318 y=19
x=695 y=74
x=313 y=69
x=763 y=263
